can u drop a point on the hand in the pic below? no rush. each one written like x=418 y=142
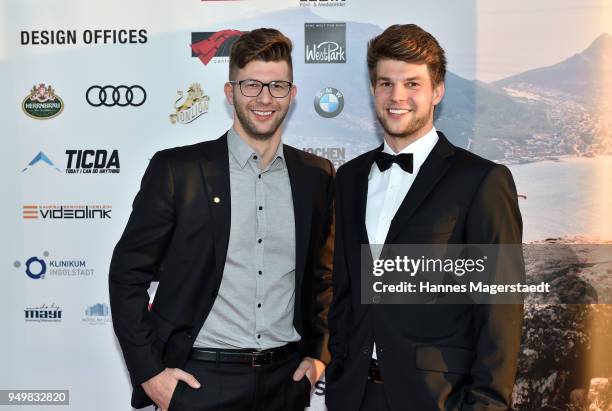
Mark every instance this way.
x=313 y=369
x=161 y=387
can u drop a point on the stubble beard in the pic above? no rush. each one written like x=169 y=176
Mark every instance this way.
x=411 y=128
x=251 y=128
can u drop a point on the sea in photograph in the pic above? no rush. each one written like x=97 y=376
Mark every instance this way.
x=566 y=198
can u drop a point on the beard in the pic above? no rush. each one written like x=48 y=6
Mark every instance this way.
x=413 y=126
x=250 y=127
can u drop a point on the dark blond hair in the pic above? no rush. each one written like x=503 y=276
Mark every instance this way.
x=260 y=44
x=409 y=43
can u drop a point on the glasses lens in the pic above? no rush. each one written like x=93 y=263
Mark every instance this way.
x=251 y=88
x=279 y=88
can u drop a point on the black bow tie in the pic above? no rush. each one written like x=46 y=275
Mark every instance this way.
x=385 y=160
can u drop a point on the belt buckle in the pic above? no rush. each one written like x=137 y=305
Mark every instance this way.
x=260 y=358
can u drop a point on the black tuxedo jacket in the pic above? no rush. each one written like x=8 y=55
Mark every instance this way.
x=435 y=356
x=178 y=235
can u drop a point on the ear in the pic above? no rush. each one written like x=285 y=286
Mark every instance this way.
x=228 y=89
x=438 y=93
x=293 y=92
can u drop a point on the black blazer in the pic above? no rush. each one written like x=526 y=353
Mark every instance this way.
x=432 y=357
x=178 y=235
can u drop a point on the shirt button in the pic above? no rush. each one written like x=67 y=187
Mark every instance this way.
x=259 y=240
x=254 y=157
x=259 y=305
x=259 y=176
x=260 y=207
x=258 y=336
x=260 y=272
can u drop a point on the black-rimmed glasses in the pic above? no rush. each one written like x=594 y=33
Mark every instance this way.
x=253 y=88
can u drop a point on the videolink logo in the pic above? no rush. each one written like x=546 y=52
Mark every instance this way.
x=38 y=268
x=66 y=212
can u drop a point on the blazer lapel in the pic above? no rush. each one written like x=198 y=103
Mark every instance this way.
x=301 y=192
x=430 y=173
x=361 y=192
x=215 y=169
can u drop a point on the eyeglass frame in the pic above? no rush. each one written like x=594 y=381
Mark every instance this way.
x=239 y=83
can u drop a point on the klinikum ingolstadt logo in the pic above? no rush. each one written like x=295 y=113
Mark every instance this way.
x=42 y=103
x=325 y=42
x=329 y=102
x=38 y=267
x=97 y=314
x=188 y=108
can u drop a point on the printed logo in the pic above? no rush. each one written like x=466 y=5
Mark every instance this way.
x=329 y=102
x=325 y=43
x=322 y=3
x=97 y=314
x=37 y=268
x=92 y=162
x=188 y=108
x=38 y=158
x=43 y=313
x=120 y=96
x=42 y=103
x=337 y=155
x=67 y=212
x=209 y=45
x=83 y=161
x=100 y=36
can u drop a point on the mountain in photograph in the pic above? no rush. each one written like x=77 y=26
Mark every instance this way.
x=577 y=96
x=585 y=75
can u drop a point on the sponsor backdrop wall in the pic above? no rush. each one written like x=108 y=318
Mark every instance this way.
x=90 y=90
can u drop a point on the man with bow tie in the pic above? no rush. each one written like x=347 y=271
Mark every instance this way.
x=417 y=188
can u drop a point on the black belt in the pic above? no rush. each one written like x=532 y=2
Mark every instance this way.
x=374 y=372
x=253 y=358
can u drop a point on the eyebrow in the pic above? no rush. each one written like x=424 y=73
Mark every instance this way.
x=404 y=79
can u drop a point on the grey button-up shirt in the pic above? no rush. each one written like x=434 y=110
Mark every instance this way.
x=254 y=305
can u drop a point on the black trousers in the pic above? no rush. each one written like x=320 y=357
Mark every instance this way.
x=241 y=387
x=374 y=398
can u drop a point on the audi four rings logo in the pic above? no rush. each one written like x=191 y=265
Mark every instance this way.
x=122 y=96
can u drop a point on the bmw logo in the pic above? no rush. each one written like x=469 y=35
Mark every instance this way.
x=329 y=102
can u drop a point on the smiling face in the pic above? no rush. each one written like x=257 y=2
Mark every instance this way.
x=404 y=99
x=260 y=117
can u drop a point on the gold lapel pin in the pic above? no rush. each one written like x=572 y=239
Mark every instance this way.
x=216 y=200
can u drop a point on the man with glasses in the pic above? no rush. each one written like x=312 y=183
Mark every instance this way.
x=239 y=233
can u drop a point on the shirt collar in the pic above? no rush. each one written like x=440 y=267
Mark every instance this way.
x=420 y=148
x=242 y=152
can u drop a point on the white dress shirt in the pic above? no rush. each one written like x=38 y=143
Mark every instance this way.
x=387 y=189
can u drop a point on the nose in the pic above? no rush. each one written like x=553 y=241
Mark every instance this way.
x=265 y=97
x=398 y=93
